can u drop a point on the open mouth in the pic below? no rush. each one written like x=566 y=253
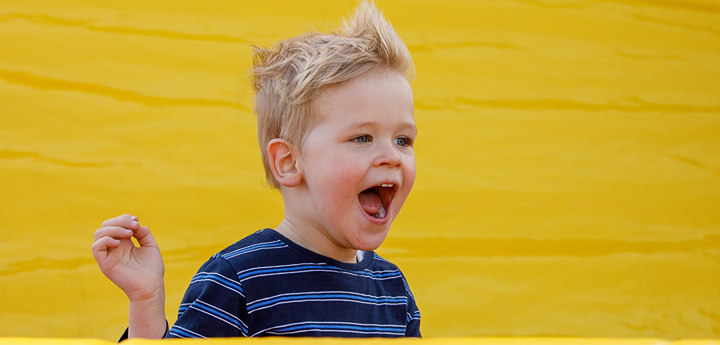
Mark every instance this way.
x=375 y=201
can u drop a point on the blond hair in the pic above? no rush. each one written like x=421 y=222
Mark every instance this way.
x=288 y=77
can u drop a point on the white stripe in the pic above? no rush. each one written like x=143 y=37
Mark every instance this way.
x=180 y=307
x=254 y=250
x=218 y=283
x=317 y=270
x=280 y=266
x=322 y=292
x=333 y=269
x=385 y=271
x=213 y=274
x=234 y=280
x=217 y=317
x=236 y=251
x=407 y=288
x=326 y=300
x=411 y=317
x=222 y=311
x=187 y=330
x=399 y=327
x=331 y=330
x=334 y=299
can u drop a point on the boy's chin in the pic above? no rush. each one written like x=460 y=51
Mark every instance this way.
x=369 y=242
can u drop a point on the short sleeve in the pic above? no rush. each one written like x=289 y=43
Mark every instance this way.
x=214 y=304
x=412 y=314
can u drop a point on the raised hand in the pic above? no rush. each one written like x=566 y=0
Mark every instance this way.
x=138 y=271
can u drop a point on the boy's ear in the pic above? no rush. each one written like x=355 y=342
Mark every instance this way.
x=283 y=163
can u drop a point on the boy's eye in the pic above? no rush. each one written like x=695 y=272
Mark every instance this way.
x=402 y=141
x=363 y=139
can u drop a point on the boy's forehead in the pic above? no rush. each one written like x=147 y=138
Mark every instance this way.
x=360 y=100
x=351 y=118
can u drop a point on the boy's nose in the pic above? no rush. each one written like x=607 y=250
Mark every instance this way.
x=388 y=155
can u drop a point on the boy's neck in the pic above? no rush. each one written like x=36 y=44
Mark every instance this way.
x=315 y=240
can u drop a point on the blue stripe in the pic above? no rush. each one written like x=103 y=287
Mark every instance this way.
x=182 y=333
x=397 y=329
x=415 y=315
x=407 y=288
x=217 y=278
x=223 y=316
x=324 y=267
x=249 y=248
x=319 y=296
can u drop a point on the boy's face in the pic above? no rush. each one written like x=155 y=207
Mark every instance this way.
x=358 y=159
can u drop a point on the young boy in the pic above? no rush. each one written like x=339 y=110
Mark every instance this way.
x=336 y=131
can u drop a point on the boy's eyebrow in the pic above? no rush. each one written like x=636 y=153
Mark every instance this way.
x=408 y=125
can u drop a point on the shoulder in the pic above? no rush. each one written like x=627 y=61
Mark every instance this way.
x=251 y=250
x=258 y=241
x=382 y=265
x=380 y=262
x=222 y=269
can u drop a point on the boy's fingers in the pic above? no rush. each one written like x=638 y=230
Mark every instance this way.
x=125 y=221
x=113 y=231
x=145 y=237
x=101 y=246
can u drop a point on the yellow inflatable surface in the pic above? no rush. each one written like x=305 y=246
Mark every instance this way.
x=310 y=341
x=568 y=159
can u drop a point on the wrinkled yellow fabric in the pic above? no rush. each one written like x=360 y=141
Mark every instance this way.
x=433 y=341
x=568 y=159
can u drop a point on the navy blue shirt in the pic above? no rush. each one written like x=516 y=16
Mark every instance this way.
x=266 y=285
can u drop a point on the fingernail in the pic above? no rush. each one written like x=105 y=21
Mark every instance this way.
x=134 y=218
x=134 y=223
x=128 y=231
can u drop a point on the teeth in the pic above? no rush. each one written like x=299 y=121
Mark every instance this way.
x=387 y=185
x=381 y=213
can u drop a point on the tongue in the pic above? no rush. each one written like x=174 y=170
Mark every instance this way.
x=370 y=202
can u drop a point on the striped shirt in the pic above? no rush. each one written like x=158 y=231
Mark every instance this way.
x=266 y=285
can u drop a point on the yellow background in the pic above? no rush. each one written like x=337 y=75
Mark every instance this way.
x=568 y=157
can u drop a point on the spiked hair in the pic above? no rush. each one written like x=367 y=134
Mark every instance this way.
x=291 y=75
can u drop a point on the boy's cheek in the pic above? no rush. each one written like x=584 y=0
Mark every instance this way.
x=409 y=181
x=339 y=185
x=409 y=177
